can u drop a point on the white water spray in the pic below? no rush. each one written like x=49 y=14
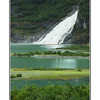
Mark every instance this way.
x=59 y=32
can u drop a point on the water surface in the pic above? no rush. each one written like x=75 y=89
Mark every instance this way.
x=24 y=48
x=31 y=62
x=74 y=82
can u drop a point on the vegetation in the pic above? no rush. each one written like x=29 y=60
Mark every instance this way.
x=76 y=47
x=41 y=68
x=50 y=73
x=34 y=16
x=57 y=53
x=51 y=92
x=13 y=76
x=68 y=53
x=38 y=14
x=79 y=69
x=19 y=75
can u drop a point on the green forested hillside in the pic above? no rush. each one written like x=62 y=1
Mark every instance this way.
x=29 y=17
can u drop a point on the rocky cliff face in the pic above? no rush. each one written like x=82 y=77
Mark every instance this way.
x=80 y=34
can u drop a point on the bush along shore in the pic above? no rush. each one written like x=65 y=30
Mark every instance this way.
x=55 y=53
x=51 y=92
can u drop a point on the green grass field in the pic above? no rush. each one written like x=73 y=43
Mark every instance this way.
x=50 y=74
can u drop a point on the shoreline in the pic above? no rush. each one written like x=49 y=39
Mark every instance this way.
x=57 y=56
x=54 y=56
x=50 y=78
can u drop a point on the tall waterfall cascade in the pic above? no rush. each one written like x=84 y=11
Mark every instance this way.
x=60 y=31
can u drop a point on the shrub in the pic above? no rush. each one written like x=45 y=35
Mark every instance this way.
x=79 y=69
x=15 y=54
x=51 y=92
x=57 y=68
x=41 y=68
x=37 y=52
x=54 y=52
x=59 y=52
x=19 y=75
x=59 y=97
x=19 y=54
x=13 y=76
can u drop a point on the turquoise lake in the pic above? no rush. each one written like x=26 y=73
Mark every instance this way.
x=46 y=62
x=37 y=62
x=74 y=82
x=24 y=48
x=31 y=62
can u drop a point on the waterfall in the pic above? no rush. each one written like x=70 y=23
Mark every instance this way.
x=60 y=31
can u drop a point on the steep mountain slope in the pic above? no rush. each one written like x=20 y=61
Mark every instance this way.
x=30 y=19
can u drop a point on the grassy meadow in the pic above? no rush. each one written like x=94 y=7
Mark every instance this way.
x=50 y=74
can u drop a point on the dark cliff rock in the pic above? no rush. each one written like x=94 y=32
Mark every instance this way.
x=80 y=33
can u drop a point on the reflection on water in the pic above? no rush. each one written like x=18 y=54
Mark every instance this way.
x=30 y=62
x=44 y=82
x=65 y=63
x=55 y=46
